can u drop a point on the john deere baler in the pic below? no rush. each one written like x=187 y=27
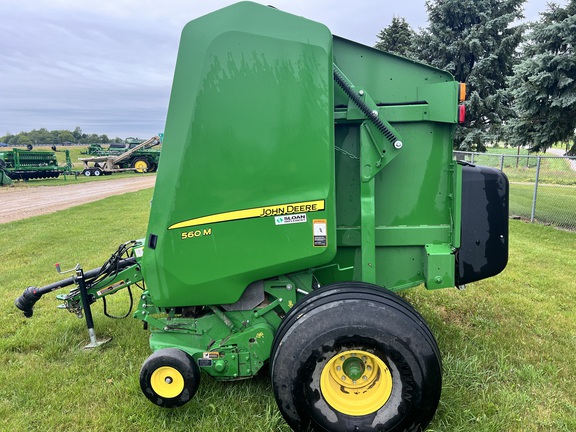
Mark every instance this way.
x=305 y=178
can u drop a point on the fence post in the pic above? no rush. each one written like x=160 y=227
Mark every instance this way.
x=501 y=162
x=472 y=158
x=535 y=190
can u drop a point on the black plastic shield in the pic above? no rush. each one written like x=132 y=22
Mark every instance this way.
x=484 y=247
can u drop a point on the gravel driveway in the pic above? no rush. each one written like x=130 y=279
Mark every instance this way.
x=21 y=203
x=560 y=152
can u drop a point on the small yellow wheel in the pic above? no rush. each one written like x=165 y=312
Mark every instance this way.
x=169 y=377
x=141 y=165
x=167 y=382
x=356 y=383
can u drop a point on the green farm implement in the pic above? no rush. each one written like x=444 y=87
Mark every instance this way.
x=136 y=156
x=19 y=164
x=306 y=179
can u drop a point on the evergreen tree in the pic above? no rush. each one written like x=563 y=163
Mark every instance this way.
x=476 y=41
x=396 y=38
x=544 y=84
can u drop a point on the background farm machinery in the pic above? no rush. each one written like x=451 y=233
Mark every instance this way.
x=137 y=156
x=18 y=164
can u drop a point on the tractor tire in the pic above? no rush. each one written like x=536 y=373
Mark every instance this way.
x=354 y=356
x=141 y=165
x=169 y=377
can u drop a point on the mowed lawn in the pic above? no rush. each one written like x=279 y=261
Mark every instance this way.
x=508 y=343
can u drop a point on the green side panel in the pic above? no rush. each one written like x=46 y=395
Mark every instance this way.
x=415 y=195
x=245 y=190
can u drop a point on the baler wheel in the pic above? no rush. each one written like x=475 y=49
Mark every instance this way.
x=169 y=377
x=354 y=356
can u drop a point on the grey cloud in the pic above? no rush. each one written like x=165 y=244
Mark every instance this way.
x=107 y=66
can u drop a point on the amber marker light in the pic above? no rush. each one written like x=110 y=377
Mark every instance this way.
x=462 y=92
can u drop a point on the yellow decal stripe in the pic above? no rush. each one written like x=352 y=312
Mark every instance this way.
x=256 y=212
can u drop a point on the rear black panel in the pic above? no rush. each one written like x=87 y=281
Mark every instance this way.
x=484 y=247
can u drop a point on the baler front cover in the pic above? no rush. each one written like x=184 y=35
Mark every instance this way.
x=247 y=186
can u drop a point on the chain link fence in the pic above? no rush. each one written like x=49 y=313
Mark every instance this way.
x=542 y=188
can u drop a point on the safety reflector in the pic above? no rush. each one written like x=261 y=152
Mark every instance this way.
x=462 y=92
x=461 y=114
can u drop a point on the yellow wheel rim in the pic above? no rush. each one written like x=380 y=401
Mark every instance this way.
x=141 y=166
x=167 y=382
x=356 y=383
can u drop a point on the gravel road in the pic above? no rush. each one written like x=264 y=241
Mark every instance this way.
x=21 y=203
x=560 y=152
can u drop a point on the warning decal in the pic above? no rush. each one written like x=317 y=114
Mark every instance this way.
x=320 y=233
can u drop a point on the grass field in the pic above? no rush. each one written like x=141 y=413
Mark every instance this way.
x=508 y=343
x=556 y=198
x=553 y=170
x=555 y=204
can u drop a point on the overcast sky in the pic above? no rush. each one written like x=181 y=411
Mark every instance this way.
x=107 y=65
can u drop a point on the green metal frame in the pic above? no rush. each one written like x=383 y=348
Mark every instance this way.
x=226 y=344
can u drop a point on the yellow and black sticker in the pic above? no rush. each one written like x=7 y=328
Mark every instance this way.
x=320 y=233
x=256 y=212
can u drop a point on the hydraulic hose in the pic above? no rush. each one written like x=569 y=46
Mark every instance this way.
x=32 y=294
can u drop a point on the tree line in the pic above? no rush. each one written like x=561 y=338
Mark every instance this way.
x=44 y=136
x=521 y=77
